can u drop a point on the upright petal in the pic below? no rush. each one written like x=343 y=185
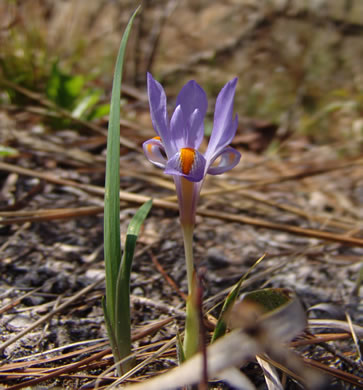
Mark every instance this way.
x=178 y=128
x=158 y=111
x=190 y=98
x=195 y=129
x=224 y=127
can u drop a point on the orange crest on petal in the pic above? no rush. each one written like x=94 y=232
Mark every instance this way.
x=187 y=158
x=150 y=146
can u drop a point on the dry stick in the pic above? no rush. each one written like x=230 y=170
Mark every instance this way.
x=140 y=199
x=53 y=214
x=49 y=315
x=165 y=275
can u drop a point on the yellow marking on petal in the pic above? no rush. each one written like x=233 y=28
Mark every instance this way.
x=231 y=158
x=187 y=158
x=150 y=146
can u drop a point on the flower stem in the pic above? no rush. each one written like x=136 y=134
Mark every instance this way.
x=188 y=249
x=191 y=339
x=188 y=197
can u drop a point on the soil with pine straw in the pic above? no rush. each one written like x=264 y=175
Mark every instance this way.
x=51 y=252
x=301 y=206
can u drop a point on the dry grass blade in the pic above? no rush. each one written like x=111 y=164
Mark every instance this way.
x=151 y=358
x=344 y=376
x=321 y=338
x=24 y=363
x=271 y=376
x=65 y=369
x=8 y=217
x=336 y=324
x=42 y=374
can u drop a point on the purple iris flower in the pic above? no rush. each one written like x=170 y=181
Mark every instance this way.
x=175 y=149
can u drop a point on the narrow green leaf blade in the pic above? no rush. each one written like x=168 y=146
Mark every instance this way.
x=112 y=187
x=122 y=307
x=221 y=326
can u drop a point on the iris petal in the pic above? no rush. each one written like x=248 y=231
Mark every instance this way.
x=196 y=130
x=229 y=159
x=158 y=111
x=193 y=101
x=224 y=127
x=175 y=150
x=188 y=163
x=190 y=97
x=154 y=152
x=178 y=128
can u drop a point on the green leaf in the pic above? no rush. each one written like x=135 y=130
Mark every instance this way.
x=7 y=151
x=64 y=89
x=268 y=299
x=112 y=244
x=221 y=326
x=122 y=307
x=110 y=332
x=99 y=111
x=279 y=309
x=86 y=104
x=180 y=349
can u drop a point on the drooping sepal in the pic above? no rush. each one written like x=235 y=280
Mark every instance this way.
x=229 y=158
x=188 y=163
x=154 y=152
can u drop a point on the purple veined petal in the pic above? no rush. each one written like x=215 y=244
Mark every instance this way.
x=188 y=163
x=196 y=131
x=158 y=111
x=190 y=97
x=178 y=129
x=154 y=152
x=229 y=158
x=193 y=101
x=187 y=132
x=224 y=127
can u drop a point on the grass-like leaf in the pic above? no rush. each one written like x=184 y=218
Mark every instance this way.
x=221 y=326
x=112 y=244
x=122 y=308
